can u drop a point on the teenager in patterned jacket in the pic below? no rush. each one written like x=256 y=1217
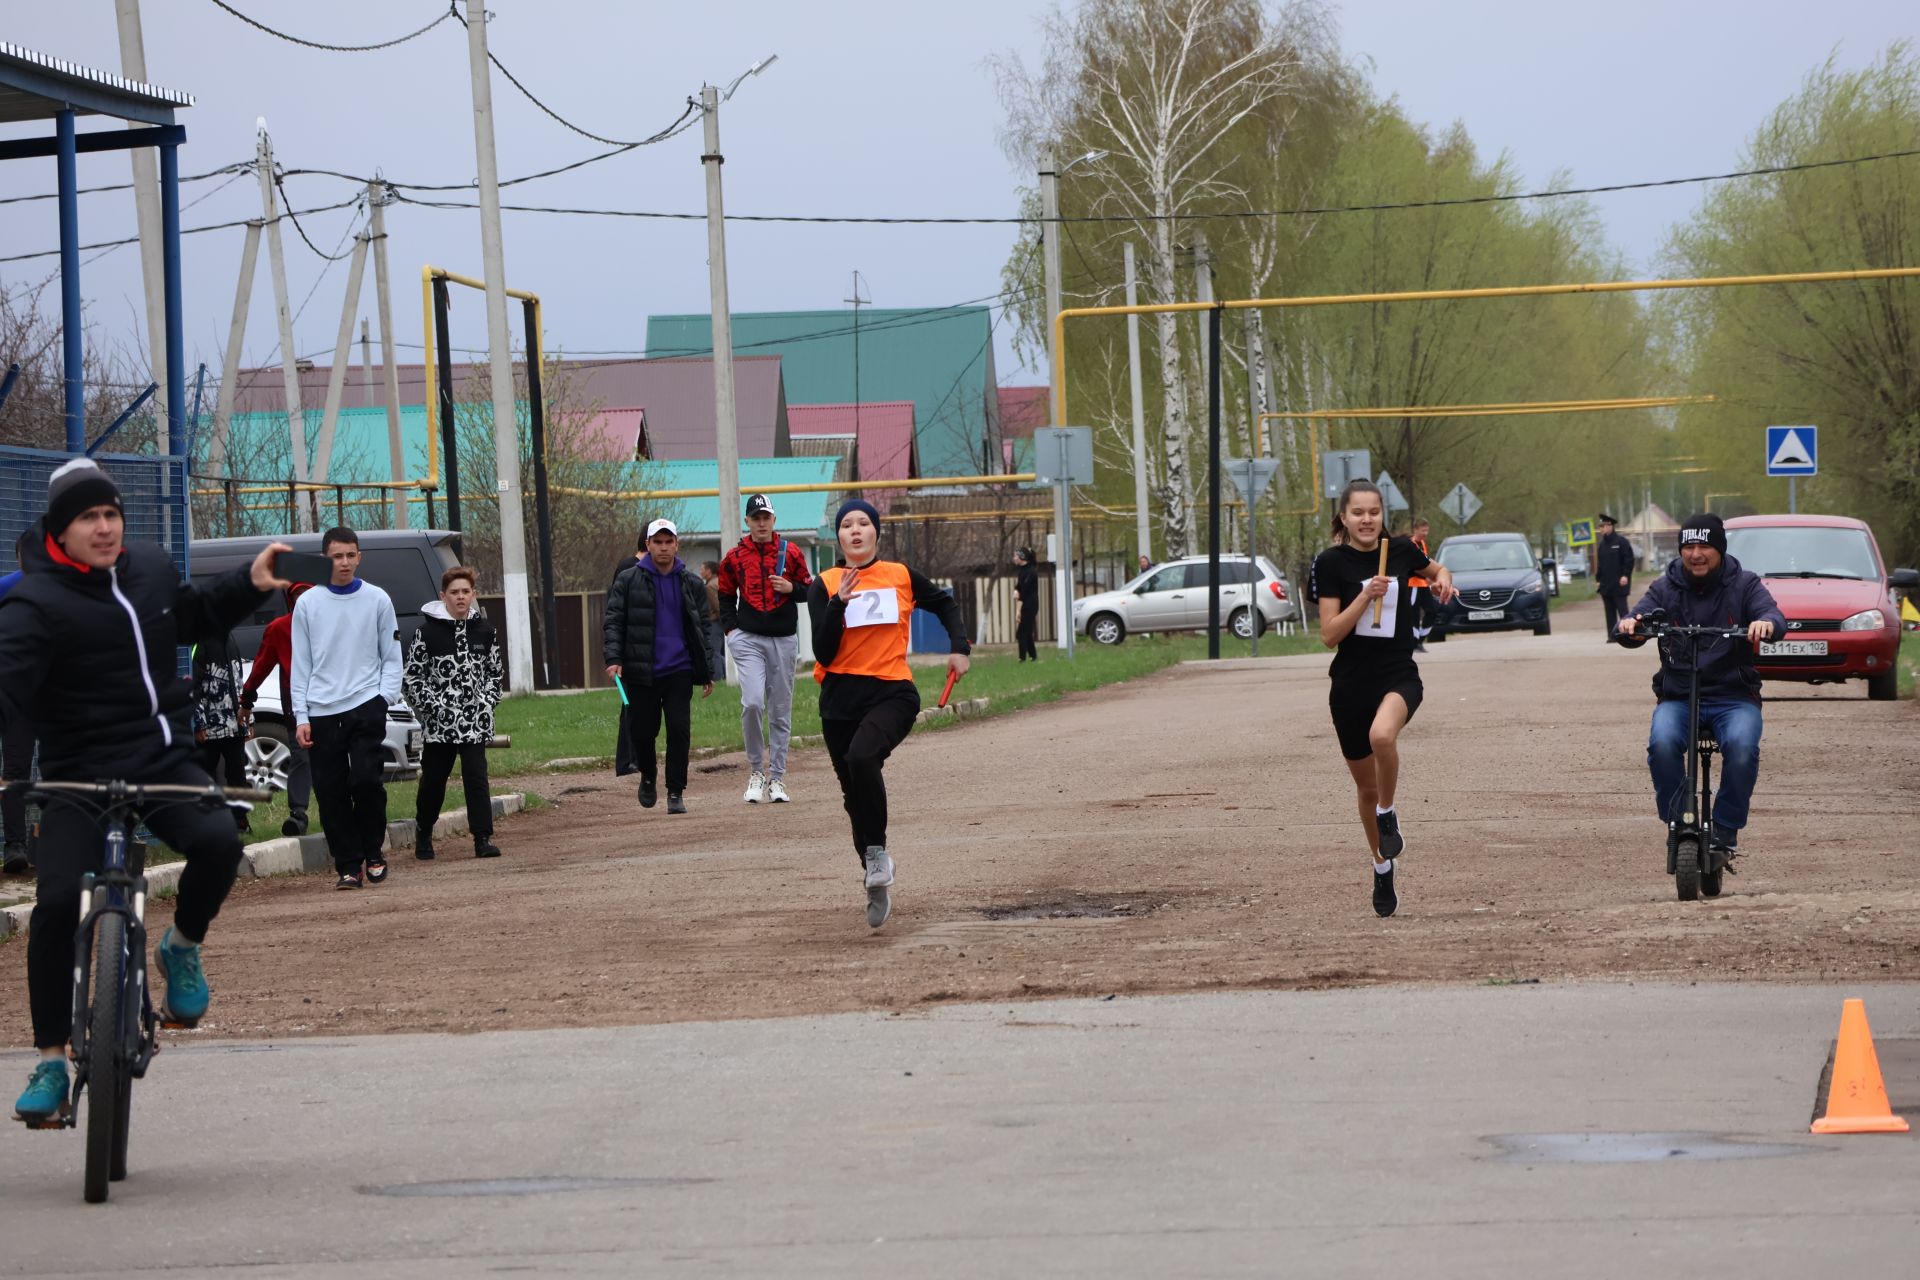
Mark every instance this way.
x=453 y=678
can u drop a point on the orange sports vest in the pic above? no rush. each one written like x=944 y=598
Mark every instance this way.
x=879 y=650
x=1415 y=580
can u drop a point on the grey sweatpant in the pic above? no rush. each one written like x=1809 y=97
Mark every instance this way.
x=765 y=665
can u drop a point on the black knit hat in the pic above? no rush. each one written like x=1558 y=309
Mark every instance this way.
x=78 y=486
x=1707 y=528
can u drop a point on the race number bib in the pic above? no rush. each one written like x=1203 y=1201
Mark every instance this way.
x=873 y=608
x=1389 y=612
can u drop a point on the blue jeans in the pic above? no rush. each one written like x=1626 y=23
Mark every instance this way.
x=1736 y=724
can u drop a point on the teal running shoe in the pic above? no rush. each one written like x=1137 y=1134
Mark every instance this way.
x=185 y=1000
x=46 y=1095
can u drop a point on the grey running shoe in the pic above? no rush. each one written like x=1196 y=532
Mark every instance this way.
x=1385 y=900
x=676 y=802
x=879 y=881
x=1392 y=843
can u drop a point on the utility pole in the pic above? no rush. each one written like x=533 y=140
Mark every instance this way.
x=146 y=204
x=342 y=352
x=857 y=302
x=277 y=262
x=1062 y=513
x=218 y=462
x=506 y=433
x=1143 y=525
x=377 y=227
x=1203 y=292
x=726 y=434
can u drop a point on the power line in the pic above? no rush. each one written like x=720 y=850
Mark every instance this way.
x=1310 y=211
x=291 y=217
x=185 y=231
x=336 y=48
x=238 y=166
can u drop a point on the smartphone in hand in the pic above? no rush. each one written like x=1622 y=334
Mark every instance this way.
x=303 y=566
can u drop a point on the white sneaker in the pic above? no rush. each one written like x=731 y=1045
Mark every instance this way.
x=756 y=788
x=879 y=881
x=777 y=792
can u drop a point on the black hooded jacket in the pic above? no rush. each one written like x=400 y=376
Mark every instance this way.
x=1730 y=596
x=91 y=657
x=627 y=636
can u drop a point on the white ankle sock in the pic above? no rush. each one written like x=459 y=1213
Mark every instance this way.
x=1381 y=868
x=1377 y=810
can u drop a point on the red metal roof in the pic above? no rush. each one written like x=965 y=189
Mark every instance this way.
x=677 y=395
x=1021 y=410
x=883 y=437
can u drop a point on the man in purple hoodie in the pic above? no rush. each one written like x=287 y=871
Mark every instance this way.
x=657 y=646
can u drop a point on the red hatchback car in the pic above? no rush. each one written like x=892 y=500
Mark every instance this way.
x=1834 y=589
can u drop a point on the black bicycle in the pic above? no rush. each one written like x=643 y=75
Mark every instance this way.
x=1695 y=865
x=115 y=1028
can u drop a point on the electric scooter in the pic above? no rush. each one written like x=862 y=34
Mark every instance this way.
x=1695 y=865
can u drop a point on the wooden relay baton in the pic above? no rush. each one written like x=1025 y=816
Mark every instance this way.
x=1380 y=600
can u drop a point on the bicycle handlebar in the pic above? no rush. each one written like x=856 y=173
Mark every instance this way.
x=1652 y=629
x=137 y=791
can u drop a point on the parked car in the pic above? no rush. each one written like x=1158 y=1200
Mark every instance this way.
x=405 y=563
x=1836 y=594
x=267 y=753
x=1172 y=596
x=1500 y=584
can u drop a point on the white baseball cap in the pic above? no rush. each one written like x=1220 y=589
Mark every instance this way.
x=660 y=526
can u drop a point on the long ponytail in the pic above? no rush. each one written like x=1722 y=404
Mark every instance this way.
x=1339 y=530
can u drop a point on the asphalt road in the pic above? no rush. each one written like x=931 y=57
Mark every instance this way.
x=1339 y=1133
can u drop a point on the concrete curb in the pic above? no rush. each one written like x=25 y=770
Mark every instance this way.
x=964 y=710
x=289 y=855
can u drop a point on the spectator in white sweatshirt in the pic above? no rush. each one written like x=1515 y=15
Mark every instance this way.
x=346 y=672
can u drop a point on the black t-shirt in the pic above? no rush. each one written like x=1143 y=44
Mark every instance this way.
x=1342 y=573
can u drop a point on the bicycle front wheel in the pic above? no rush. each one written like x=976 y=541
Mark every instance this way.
x=107 y=1079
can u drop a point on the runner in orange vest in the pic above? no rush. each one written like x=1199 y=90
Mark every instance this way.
x=868 y=701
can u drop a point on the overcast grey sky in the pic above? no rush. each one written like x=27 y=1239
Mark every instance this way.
x=875 y=107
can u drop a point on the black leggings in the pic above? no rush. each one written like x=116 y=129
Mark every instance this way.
x=72 y=843
x=859 y=750
x=436 y=764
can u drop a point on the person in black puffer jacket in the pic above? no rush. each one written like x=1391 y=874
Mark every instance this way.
x=453 y=680
x=87 y=645
x=657 y=647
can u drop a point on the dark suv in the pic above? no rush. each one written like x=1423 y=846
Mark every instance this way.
x=1500 y=584
x=405 y=563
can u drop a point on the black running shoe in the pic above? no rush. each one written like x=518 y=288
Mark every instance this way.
x=485 y=848
x=1392 y=843
x=347 y=880
x=376 y=870
x=423 y=850
x=676 y=802
x=295 y=825
x=649 y=793
x=1385 y=900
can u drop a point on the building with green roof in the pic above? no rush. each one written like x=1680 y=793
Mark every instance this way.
x=940 y=358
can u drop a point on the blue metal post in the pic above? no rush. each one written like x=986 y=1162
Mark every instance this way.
x=71 y=333
x=170 y=271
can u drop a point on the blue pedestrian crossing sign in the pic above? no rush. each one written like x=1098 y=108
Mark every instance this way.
x=1579 y=533
x=1793 y=451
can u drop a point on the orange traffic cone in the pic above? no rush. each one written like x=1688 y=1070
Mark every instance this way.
x=1857 y=1101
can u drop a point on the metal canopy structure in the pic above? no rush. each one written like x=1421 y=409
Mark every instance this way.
x=35 y=87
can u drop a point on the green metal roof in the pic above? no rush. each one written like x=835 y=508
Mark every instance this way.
x=793 y=512
x=939 y=358
x=359 y=442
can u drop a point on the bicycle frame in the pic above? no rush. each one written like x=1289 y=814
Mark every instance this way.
x=117 y=889
x=1696 y=813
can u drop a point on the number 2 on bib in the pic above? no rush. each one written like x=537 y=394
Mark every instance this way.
x=873 y=608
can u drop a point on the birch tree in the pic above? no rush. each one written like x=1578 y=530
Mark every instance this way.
x=1160 y=86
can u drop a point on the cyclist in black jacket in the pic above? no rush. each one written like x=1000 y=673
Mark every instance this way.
x=87 y=652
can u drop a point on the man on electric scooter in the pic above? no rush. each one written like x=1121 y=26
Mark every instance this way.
x=1705 y=587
